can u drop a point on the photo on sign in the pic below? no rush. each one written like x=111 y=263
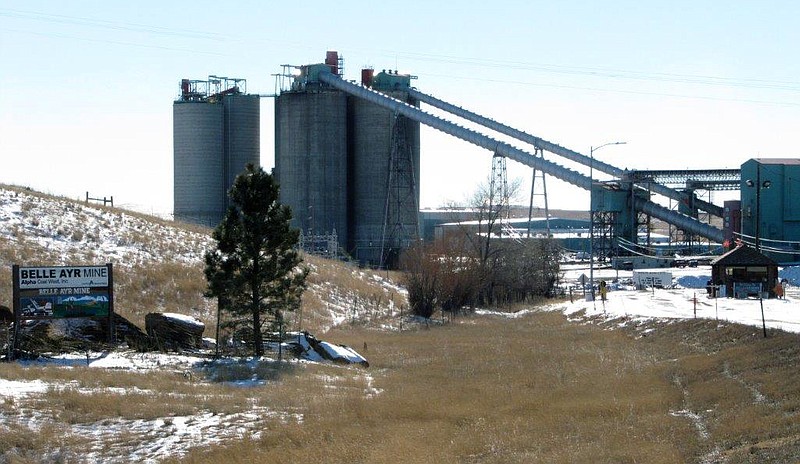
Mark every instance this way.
x=81 y=306
x=37 y=307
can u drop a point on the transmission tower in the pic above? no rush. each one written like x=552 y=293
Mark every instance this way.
x=401 y=225
x=539 y=153
x=498 y=188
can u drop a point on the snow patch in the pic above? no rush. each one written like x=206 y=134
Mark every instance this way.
x=21 y=388
x=694 y=281
x=185 y=319
x=689 y=300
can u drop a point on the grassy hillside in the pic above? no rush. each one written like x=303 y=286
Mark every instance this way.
x=539 y=387
x=543 y=389
x=158 y=265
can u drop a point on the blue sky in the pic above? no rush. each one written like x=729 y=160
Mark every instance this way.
x=86 y=87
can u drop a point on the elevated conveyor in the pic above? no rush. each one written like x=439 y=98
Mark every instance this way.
x=557 y=149
x=568 y=175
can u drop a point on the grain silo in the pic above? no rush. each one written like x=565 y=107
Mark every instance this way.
x=347 y=165
x=215 y=135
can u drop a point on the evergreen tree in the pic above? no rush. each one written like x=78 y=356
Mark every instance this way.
x=255 y=270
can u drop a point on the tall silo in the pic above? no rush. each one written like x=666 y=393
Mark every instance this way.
x=215 y=135
x=199 y=189
x=242 y=135
x=333 y=156
x=311 y=160
x=375 y=135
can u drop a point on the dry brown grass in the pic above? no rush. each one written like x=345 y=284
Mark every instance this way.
x=166 y=284
x=488 y=390
x=358 y=292
x=540 y=389
x=19 y=444
x=478 y=390
x=163 y=287
x=745 y=387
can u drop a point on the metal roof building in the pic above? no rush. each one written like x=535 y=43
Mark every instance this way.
x=770 y=207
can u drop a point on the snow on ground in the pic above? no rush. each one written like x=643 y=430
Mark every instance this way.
x=21 y=388
x=345 y=306
x=688 y=300
x=168 y=437
x=68 y=231
x=125 y=360
x=342 y=352
x=148 y=441
x=65 y=232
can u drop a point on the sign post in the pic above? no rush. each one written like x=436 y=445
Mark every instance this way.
x=15 y=303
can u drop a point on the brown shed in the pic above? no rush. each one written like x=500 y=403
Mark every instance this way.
x=744 y=272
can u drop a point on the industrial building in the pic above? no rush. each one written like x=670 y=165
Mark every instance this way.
x=216 y=134
x=770 y=207
x=347 y=158
x=348 y=167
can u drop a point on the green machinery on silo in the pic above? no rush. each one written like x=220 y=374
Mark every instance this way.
x=770 y=207
x=349 y=169
x=216 y=133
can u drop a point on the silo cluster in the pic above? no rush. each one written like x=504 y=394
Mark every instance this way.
x=215 y=135
x=333 y=160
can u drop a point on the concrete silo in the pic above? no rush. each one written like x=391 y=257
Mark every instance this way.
x=348 y=165
x=215 y=135
x=199 y=188
x=311 y=160
x=241 y=137
x=384 y=179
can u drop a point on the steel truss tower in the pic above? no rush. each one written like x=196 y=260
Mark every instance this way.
x=539 y=153
x=401 y=224
x=498 y=188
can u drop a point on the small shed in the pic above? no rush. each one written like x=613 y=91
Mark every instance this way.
x=745 y=272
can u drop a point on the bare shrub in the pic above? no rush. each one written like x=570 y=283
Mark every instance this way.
x=451 y=274
x=423 y=273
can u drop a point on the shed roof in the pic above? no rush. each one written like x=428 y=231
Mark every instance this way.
x=788 y=161
x=743 y=256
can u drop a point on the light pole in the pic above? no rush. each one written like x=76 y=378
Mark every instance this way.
x=591 y=214
x=759 y=185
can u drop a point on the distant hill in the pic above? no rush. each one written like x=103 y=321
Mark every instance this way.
x=158 y=264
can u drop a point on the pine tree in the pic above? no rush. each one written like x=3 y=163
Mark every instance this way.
x=255 y=270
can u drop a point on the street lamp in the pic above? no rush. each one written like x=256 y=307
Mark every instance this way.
x=759 y=185
x=591 y=213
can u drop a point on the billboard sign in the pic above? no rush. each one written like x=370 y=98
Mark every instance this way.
x=63 y=277
x=657 y=279
x=49 y=292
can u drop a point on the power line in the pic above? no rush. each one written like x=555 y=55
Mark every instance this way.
x=116 y=42
x=604 y=72
x=613 y=73
x=626 y=91
x=115 y=25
